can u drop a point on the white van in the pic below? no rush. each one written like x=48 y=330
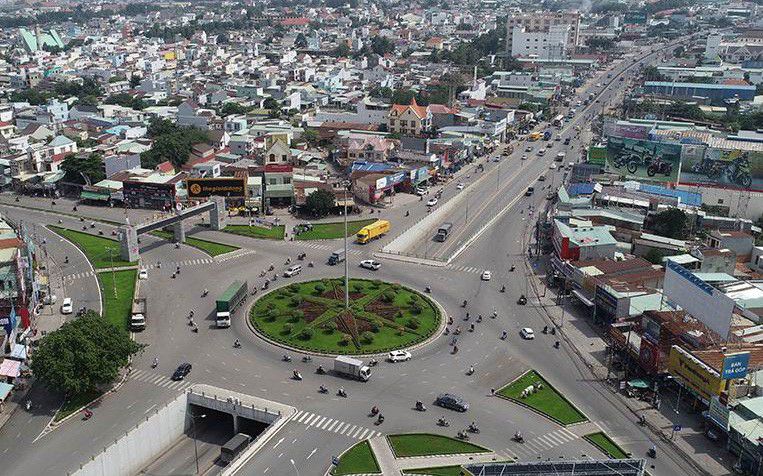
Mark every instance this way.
x=293 y=271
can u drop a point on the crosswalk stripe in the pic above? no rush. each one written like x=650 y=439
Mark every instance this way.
x=322 y=420
x=341 y=425
x=357 y=432
x=297 y=415
x=365 y=430
x=303 y=416
x=311 y=419
x=328 y=422
x=555 y=439
x=350 y=431
x=332 y=425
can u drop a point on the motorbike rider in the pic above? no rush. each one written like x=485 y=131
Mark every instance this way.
x=503 y=334
x=237 y=344
x=323 y=389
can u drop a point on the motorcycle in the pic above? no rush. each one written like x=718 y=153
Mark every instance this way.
x=504 y=335
x=323 y=389
x=553 y=331
x=373 y=363
x=503 y=288
x=443 y=422
x=155 y=363
x=471 y=327
x=204 y=293
x=271 y=268
x=307 y=358
x=427 y=289
x=266 y=285
x=310 y=264
x=301 y=256
x=28 y=405
x=658 y=165
x=286 y=358
x=470 y=371
x=512 y=268
x=88 y=414
x=462 y=435
x=545 y=329
x=518 y=438
x=420 y=407
x=237 y=344
x=341 y=393
x=556 y=345
x=296 y=375
x=522 y=300
x=380 y=419
x=374 y=411
x=652 y=452
x=473 y=428
x=464 y=304
x=320 y=370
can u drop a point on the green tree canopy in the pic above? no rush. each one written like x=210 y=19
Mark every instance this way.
x=91 y=166
x=82 y=354
x=320 y=202
x=672 y=223
x=311 y=137
x=171 y=142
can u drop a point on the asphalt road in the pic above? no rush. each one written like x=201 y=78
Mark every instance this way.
x=327 y=424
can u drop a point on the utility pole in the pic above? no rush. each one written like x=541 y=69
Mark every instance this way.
x=195 y=445
x=346 y=185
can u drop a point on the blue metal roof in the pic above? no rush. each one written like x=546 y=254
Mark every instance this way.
x=687 y=198
x=371 y=166
x=583 y=188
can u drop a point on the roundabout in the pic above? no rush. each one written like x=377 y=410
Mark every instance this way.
x=311 y=316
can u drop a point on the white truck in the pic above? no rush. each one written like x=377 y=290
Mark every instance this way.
x=138 y=315
x=352 y=368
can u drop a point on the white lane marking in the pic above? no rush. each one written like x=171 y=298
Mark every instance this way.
x=279 y=442
x=311 y=453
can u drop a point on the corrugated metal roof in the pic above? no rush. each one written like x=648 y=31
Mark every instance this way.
x=686 y=197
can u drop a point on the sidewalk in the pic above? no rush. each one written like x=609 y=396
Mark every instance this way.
x=583 y=337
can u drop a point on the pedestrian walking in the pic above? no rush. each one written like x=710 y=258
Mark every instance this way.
x=492 y=391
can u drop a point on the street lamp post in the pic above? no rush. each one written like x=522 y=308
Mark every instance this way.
x=346 y=185
x=195 y=445
x=295 y=466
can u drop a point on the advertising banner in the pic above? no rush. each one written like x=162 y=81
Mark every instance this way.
x=735 y=365
x=724 y=168
x=597 y=155
x=698 y=377
x=643 y=159
x=630 y=131
x=702 y=301
x=223 y=187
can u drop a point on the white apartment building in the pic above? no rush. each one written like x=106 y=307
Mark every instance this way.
x=542 y=22
x=551 y=44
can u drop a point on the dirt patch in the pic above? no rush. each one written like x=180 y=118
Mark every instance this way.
x=312 y=310
x=340 y=295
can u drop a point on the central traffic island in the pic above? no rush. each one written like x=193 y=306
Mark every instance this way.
x=311 y=316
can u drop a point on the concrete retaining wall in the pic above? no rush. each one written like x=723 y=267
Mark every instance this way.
x=425 y=229
x=139 y=446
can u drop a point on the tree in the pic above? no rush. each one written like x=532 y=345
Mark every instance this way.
x=601 y=43
x=341 y=50
x=320 y=202
x=311 y=137
x=91 y=166
x=232 y=108
x=381 y=45
x=135 y=81
x=83 y=354
x=671 y=223
x=651 y=73
x=300 y=41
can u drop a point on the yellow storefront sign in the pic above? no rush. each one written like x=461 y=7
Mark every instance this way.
x=694 y=374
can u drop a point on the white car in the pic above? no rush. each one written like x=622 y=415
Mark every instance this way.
x=527 y=333
x=143 y=274
x=486 y=275
x=552 y=166
x=399 y=356
x=460 y=186
x=524 y=157
x=421 y=191
x=370 y=264
x=67 y=306
x=431 y=202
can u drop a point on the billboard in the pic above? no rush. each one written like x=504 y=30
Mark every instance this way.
x=637 y=159
x=724 y=168
x=597 y=155
x=735 y=365
x=702 y=301
x=631 y=131
x=221 y=186
x=694 y=374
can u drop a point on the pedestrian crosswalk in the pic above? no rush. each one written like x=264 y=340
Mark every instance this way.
x=240 y=253
x=83 y=274
x=322 y=246
x=465 y=269
x=541 y=444
x=331 y=425
x=159 y=380
x=188 y=262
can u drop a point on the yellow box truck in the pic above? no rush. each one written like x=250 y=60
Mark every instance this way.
x=374 y=230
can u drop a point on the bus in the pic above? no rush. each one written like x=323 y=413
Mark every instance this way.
x=558 y=120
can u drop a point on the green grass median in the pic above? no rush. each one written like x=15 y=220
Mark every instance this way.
x=333 y=230
x=76 y=402
x=259 y=232
x=117 y=307
x=357 y=460
x=547 y=400
x=606 y=445
x=427 y=444
x=101 y=252
x=211 y=248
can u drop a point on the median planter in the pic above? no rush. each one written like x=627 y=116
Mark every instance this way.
x=382 y=317
x=531 y=390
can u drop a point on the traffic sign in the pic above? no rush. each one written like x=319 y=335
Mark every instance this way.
x=676 y=427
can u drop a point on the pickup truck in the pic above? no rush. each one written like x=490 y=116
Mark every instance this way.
x=138 y=314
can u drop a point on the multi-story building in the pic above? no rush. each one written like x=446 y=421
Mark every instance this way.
x=549 y=44
x=411 y=119
x=542 y=22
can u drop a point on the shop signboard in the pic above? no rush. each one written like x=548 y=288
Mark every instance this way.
x=134 y=191
x=637 y=159
x=735 y=365
x=221 y=186
x=725 y=168
x=702 y=380
x=631 y=131
x=597 y=155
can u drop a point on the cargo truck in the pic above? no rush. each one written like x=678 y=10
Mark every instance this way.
x=138 y=314
x=234 y=447
x=374 y=230
x=227 y=303
x=443 y=232
x=336 y=257
x=535 y=136
x=352 y=368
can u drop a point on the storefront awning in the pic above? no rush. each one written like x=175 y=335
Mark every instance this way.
x=582 y=298
x=85 y=195
x=5 y=390
x=19 y=352
x=10 y=368
x=638 y=383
